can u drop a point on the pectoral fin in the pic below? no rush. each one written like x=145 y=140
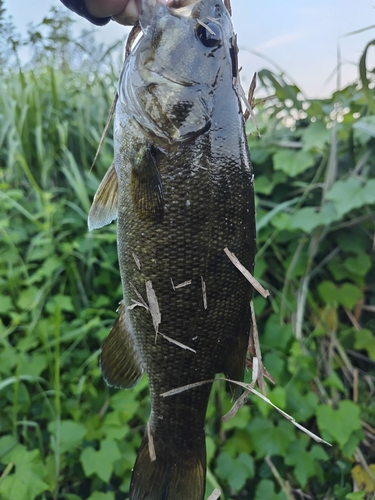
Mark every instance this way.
x=120 y=361
x=146 y=185
x=235 y=363
x=104 y=207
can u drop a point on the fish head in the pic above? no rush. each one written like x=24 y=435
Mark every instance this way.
x=171 y=77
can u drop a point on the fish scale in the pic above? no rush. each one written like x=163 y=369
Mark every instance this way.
x=182 y=184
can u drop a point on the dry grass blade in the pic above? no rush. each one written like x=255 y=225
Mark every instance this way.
x=284 y=485
x=214 y=495
x=250 y=97
x=151 y=447
x=353 y=319
x=368 y=427
x=206 y=26
x=131 y=38
x=153 y=305
x=266 y=374
x=204 y=293
x=361 y=459
x=143 y=302
x=176 y=342
x=262 y=101
x=283 y=413
x=180 y=285
x=257 y=367
x=248 y=388
x=248 y=107
x=296 y=424
x=184 y=388
x=258 y=358
x=136 y=260
x=238 y=404
x=355 y=385
x=137 y=304
x=256 y=372
x=368 y=308
x=251 y=102
x=258 y=287
x=7 y=470
x=110 y=115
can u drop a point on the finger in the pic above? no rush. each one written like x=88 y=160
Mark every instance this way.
x=129 y=15
x=107 y=8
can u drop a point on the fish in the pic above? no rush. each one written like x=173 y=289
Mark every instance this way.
x=181 y=189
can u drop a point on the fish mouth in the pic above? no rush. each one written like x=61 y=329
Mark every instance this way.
x=177 y=4
x=182 y=8
x=181 y=4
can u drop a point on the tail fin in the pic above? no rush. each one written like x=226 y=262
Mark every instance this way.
x=175 y=473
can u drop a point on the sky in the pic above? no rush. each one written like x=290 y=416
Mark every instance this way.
x=299 y=36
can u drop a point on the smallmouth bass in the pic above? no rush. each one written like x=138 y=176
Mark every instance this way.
x=181 y=187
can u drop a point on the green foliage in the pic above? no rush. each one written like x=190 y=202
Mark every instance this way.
x=365 y=340
x=339 y=425
x=8 y=39
x=100 y=462
x=235 y=471
x=292 y=162
x=64 y=434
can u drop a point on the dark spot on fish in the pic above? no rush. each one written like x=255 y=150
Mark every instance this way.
x=156 y=35
x=181 y=110
x=218 y=10
x=234 y=58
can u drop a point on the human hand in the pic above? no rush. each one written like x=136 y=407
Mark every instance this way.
x=122 y=11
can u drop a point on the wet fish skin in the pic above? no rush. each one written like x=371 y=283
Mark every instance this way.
x=185 y=192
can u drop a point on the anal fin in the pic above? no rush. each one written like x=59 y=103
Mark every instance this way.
x=119 y=360
x=105 y=204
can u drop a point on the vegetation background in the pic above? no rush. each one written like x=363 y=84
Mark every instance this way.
x=63 y=433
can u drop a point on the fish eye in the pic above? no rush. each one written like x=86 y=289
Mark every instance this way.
x=209 y=34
